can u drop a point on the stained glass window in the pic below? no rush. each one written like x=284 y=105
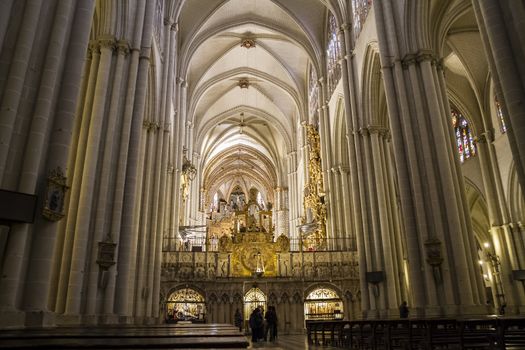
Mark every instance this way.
x=313 y=92
x=333 y=53
x=215 y=204
x=499 y=113
x=252 y=299
x=464 y=139
x=323 y=304
x=361 y=9
x=260 y=200
x=185 y=304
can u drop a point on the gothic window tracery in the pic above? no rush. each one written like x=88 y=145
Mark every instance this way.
x=464 y=139
x=333 y=53
x=360 y=10
x=313 y=92
x=499 y=114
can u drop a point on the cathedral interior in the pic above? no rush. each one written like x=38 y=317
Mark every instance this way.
x=169 y=160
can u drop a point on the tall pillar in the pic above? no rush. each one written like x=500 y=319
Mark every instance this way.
x=82 y=232
x=348 y=235
x=134 y=122
x=52 y=122
x=10 y=103
x=104 y=193
x=386 y=235
x=76 y=166
x=503 y=30
x=440 y=246
x=338 y=209
x=43 y=255
x=350 y=88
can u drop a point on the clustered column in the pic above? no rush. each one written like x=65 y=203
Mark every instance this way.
x=440 y=245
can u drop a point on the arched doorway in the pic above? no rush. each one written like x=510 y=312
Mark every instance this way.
x=185 y=304
x=323 y=304
x=253 y=299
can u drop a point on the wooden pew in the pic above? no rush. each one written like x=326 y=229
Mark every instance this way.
x=126 y=337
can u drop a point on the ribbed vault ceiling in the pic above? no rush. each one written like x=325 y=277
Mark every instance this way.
x=244 y=133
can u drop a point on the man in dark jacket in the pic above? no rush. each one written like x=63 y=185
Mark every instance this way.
x=256 y=324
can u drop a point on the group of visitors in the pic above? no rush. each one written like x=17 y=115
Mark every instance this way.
x=263 y=325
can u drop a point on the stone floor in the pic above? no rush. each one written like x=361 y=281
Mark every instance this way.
x=288 y=342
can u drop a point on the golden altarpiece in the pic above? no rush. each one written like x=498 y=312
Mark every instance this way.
x=248 y=234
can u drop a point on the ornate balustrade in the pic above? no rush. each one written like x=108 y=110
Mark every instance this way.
x=195 y=265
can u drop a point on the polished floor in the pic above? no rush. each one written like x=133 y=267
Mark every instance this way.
x=287 y=342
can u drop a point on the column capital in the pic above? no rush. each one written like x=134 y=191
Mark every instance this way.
x=418 y=57
x=408 y=60
x=425 y=55
x=150 y=126
x=344 y=169
x=123 y=47
x=363 y=131
x=107 y=42
x=480 y=139
x=345 y=27
x=375 y=129
x=180 y=81
x=93 y=47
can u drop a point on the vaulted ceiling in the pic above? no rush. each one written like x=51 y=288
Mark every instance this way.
x=246 y=100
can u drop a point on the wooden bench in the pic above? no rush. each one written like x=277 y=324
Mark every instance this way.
x=433 y=334
x=126 y=337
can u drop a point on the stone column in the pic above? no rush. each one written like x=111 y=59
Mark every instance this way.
x=373 y=243
x=5 y=14
x=67 y=81
x=107 y=172
x=398 y=246
x=350 y=88
x=14 y=85
x=503 y=30
x=164 y=172
x=76 y=166
x=294 y=195
x=133 y=122
x=61 y=148
x=75 y=284
x=338 y=209
x=145 y=167
x=348 y=235
x=440 y=242
x=386 y=230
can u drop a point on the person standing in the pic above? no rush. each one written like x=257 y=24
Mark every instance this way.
x=403 y=310
x=256 y=324
x=271 y=323
x=238 y=319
